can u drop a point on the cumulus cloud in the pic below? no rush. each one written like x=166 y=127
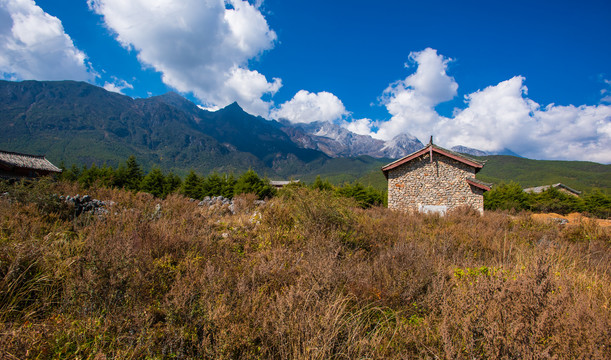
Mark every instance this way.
x=307 y=107
x=359 y=126
x=117 y=85
x=502 y=116
x=199 y=46
x=496 y=118
x=33 y=45
x=411 y=101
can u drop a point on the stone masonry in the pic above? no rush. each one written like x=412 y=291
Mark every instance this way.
x=437 y=186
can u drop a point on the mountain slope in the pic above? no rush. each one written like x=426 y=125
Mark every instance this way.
x=580 y=175
x=77 y=122
x=245 y=132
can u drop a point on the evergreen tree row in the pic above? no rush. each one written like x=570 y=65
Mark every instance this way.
x=130 y=176
x=366 y=196
x=198 y=187
x=511 y=196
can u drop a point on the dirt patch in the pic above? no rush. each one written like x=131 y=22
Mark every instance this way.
x=571 y=219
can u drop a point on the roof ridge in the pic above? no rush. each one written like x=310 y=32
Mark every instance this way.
x=22 y=154
x=449 y=153
x=459 y=154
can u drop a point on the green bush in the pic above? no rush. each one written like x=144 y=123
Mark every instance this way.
x=512 y=197
x=251 y=183
x=506 y=197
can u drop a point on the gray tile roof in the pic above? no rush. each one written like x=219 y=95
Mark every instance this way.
x=478 y=164
x=478 y=181
x=36 y=162
x=540 y=189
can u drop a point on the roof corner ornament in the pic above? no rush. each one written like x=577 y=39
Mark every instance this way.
x=431 y=141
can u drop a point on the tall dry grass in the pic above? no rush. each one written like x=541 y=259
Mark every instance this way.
x=305 y=276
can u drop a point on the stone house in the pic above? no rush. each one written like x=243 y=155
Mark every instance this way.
x=434 y=179
x=16 y=166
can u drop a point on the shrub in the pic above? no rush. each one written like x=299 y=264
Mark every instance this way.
x=506 y=197
x=304 y=275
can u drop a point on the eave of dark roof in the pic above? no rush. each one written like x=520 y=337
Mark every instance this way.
x=538 y=189
x=36 y=162
x=439 y=150
x=479 y=184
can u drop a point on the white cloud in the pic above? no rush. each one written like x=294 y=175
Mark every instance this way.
x=411 y=101
x=307 y=107
x=501 y=116
x=33 y=45
x=118 y=85
x=199 y=46
x=359 y=126
x=572 y=132
x=251 y=85
x=496 y=118
x=430 y=80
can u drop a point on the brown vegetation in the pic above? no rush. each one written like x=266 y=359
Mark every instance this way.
x=305 y=276
x=571 y=219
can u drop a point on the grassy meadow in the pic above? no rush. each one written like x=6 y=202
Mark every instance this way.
x=307 y=275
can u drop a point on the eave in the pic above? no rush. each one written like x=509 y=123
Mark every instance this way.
x=433 y=149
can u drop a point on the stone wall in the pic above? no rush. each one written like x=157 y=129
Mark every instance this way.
x=422 y=185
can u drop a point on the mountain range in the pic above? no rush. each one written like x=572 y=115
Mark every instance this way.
x=79 y=123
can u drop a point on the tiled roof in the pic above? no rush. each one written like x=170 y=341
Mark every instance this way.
x=36 y=162
x=478 y=164
x=480 y=184
x=540 y=189
x=279 y=183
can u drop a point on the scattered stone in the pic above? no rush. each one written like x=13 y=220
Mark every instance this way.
x=560 y=221
x=216 y=202
x=157 y=212
x=86 y=204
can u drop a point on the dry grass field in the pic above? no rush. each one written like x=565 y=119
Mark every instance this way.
x=304 y=276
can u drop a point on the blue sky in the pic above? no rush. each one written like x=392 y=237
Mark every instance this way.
x=530 y=76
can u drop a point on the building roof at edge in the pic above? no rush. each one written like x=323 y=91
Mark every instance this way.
x=539 y=189
x=36 y=162
x=478 y=164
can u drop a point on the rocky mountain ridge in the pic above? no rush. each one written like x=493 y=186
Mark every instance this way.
x=336 y=141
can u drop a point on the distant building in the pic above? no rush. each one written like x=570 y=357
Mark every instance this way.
x=17 y=166
x=279 y=184
x=559 y=186
x=434 y=179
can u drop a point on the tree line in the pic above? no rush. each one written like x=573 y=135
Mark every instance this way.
x=129 y=175
x=510 y=196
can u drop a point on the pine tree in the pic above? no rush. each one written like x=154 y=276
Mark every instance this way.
x=172 y=183
x=192 y=187
x=228 y=186
x=134 y=174
x=251 y=183
x=153 y=183
x=322 y=185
